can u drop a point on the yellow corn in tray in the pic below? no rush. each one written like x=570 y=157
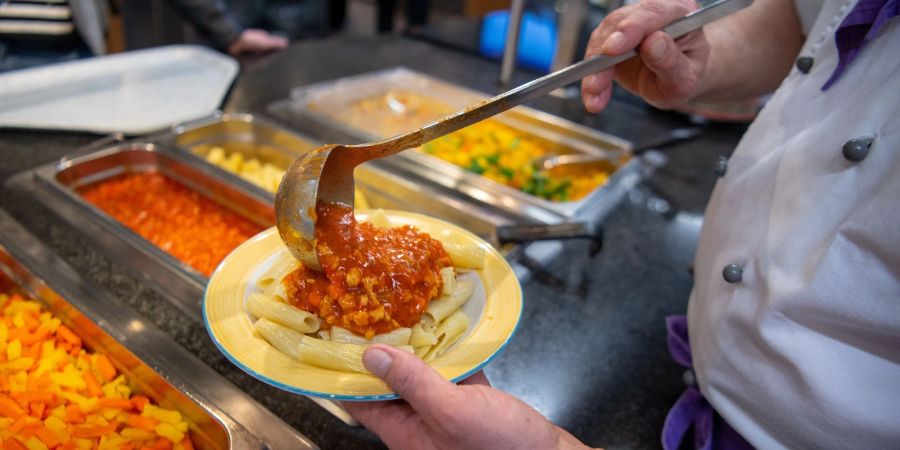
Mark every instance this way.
x=56 y=394
x=263 y=174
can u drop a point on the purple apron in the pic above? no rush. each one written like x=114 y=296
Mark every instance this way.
x=691 y=409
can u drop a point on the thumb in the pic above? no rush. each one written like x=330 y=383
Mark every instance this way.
x=413 y=380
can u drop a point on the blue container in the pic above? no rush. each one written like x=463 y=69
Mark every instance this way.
x=537 y=39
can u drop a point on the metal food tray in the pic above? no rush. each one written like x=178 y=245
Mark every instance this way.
x=58 y=183
x=220 y=416
x=571 y=136
x=383 y=187
x=252 y=136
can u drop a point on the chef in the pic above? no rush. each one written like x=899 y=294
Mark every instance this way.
x=793 y=328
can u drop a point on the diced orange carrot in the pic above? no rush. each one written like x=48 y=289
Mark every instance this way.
x=37 y=410
x=142 y=422
x=20 y=423
x=187 y=443
x=29 y=431
x=33 y=351
x=42 y=381
x=31 y=321
x=162 y=444
x=42 y=332
x=10 y=408
x=139 y=402
x=127 y=446
x=90 y=431
x=93 y=387
x=33 y=396
x=64 y=333
x=47 y=436
x=107 y=371
x=13 y=444
x=120 y=403
x=74 y=414
x=20 y=333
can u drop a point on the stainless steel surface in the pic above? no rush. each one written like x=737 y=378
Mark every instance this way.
x=511 y=45
x=326 y=174
x=306 y=109
x=220 y=415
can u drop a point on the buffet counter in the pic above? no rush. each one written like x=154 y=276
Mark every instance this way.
x=590 y=352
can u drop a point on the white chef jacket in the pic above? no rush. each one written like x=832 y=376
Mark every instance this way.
x=804 y=351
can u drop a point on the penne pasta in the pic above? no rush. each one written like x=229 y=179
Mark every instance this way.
x=448 y=332
x=334 y=355
x=420 y=337
x=331 y=355
x=379 y=219
x=264 y=307
x=271 y=284
x=465 y=255
x=298 y=334
x=284 y=339
x=395 y=338
x=448 y=276
x=441 y=307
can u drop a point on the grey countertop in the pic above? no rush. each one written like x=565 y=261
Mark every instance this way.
x=590 y=352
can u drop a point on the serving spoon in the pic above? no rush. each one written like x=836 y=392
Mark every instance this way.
x=326 y=173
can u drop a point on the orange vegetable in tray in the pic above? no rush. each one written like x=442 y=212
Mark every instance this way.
x=56 y=394
x=190 y=227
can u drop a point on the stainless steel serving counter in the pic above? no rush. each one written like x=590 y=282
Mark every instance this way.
x=608 y=380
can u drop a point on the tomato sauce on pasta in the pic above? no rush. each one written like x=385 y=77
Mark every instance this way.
x=373 y=280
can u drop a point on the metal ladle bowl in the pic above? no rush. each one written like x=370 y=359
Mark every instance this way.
x=326 y=174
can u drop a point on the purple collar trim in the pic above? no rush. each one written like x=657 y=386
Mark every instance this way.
x=859 y=28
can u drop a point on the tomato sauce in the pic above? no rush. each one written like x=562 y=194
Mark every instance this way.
x=190 y=227
x=373 y=280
